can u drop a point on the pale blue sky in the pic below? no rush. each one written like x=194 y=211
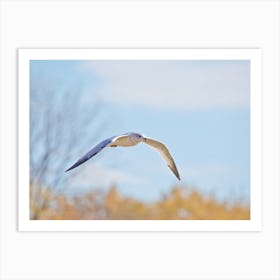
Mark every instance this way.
x=199 y=109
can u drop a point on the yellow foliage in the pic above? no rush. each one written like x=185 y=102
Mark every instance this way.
x=180 y=203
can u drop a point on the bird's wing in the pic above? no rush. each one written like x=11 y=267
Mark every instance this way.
x=162 y=149
x=95 y=150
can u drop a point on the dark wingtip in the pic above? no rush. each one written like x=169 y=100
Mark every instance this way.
x=175 y=171
x=71 y=167
x=178 y=176
x=79 y=162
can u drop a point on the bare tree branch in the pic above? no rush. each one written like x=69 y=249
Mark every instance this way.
x=62 y=126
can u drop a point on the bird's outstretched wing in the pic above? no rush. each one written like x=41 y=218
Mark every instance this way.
x=95 y=150
x=162 y=149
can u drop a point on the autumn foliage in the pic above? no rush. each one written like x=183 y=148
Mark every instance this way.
x=179 y=203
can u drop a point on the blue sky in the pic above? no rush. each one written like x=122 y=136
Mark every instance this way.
x=199 y=109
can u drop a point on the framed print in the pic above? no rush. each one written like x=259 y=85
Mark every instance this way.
x=200 y=78
x=95 y=113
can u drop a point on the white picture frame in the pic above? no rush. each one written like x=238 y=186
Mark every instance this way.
x=253 y=55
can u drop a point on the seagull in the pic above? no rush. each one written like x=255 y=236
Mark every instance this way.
x=127 y=140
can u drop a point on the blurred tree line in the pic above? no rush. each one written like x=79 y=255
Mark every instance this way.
x=179 y=203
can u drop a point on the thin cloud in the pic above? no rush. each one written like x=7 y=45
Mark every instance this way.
x=179 y=85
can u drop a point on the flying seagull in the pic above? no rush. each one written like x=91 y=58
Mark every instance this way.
x=127 y=140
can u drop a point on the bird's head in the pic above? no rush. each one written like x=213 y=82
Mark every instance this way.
x=136 y=137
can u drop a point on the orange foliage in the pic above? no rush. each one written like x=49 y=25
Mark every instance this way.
x=180 y=203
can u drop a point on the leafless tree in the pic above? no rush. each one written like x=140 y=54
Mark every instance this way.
x=63 y=124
